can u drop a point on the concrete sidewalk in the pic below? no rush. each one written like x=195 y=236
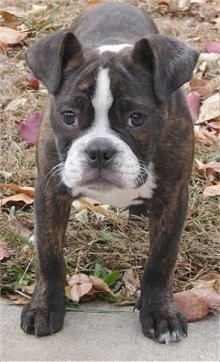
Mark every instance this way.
x=114 y=336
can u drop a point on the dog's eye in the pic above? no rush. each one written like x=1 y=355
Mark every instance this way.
x=135 y=120
x=70 y=118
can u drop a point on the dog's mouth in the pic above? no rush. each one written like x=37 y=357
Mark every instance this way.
x=101 y=184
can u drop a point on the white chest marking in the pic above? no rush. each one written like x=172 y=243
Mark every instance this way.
x=114 y=48
x=102 y=100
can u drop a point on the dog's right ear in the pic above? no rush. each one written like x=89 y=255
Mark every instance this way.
x=49 y=56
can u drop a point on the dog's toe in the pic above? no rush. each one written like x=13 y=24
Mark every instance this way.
x=165 y=325
x=42 y=322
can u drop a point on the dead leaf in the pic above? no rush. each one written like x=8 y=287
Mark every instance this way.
x=29 y=128
x=210 y=109
x=10 y=17
x=192 y=306
x=17 y=299
x=15 y=103
x=202 y=86
x=27 y=249
x=206 y=136
x=193 y=101
x=99 y=285
x=30 y=191
x=93 y=2
x=82 y=286
x=206 y=57
x=216 y=22
x=3 y=251
x=204 y=298
x=209 y=296
x=78 y=279
x=96 y=207
x=36 y=10
x=79 y=286
x=207 y=64
x=21 y=301
x=214 y=124
x=5 y=174
x=212 y=47
x=213 y=190
x=10 y=36
x=14 y=199
x=180 y=5
x=28 y=289
x=210 y=170
x=131 y=283
x=67 y=291
x=33 y=83
x=78 y=291
x=208 y=281
x=210 y=277
x=24 y=194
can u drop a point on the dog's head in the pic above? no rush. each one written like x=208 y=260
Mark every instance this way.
x=109 y=108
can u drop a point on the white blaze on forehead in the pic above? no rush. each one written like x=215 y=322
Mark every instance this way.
x=102 y=99
x=114 y=48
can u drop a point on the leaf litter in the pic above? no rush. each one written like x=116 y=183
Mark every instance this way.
x=100 y=233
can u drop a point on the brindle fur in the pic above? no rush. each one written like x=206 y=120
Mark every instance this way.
x=168 y=144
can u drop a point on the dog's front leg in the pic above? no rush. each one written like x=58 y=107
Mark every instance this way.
x=44 y=314
x=160 y=318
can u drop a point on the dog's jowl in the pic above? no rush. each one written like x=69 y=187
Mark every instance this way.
x=117 y=129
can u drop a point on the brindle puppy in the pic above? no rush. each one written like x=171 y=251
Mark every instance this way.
x=116 y=129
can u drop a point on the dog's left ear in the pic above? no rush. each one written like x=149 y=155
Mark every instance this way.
x=49 y=56
x=172 y=62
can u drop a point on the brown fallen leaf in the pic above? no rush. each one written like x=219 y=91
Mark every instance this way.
x=17 y=299
x=16 y=104
x=193 y=101
x=29 y=128
x=79 y=278
x=210 y=109
x=206 y=278
x=210 y=170
x=201 y=300
x=28 y=289
x=206 y=136
x=99 y=285
x=82 y=286
x=213 y=190
x=96 y=207
x=78 y=291
x=30 y=191
x=36 y=10
x=3 y=251
x=131 y=283
x=93 y=2
x=21 y=301
x=192 y=306
x=11 y=17
x=203 y=86
x=14 y=199
x=10 y=36
x=24 y=194
x=214 y=124
x=212 y=46
x=214 y=165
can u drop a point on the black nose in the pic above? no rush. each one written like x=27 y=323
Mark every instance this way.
x=100 y=152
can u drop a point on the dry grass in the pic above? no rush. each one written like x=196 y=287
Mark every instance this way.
x=113 y=244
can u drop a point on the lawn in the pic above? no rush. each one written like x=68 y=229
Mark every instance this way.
x=100 y=241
